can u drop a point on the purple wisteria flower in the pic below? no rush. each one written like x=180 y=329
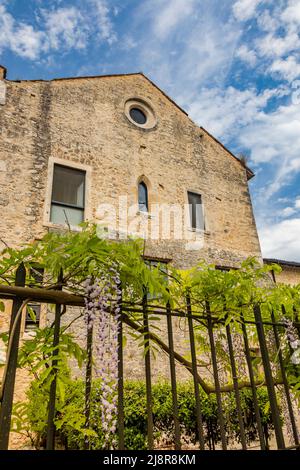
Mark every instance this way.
x=102 y=307
x=294 y=341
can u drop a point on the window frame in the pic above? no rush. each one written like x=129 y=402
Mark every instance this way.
x=48 y=199
x=154 y=262
x=29 y=321
x=196 y=229
x=65 y=204
x=37 y=272
x=143 y=184
x=143 y=114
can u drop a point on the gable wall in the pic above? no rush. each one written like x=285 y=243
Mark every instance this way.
x=82 y=121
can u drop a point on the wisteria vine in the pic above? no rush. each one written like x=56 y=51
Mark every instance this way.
x=293 y=340
x=102 y=309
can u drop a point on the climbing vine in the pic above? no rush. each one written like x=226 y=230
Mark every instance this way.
x=96 y=268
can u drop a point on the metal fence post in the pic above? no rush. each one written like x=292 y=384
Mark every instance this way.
x=195 y=374
x=148 y=374
x=268 y=376
x=50 y=445
x=9 y=386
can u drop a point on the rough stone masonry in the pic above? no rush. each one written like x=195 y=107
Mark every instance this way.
x=82 y=123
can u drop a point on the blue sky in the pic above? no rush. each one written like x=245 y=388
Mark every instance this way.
x=233 y=65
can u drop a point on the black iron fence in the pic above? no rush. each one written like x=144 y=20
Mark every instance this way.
x=264 y=365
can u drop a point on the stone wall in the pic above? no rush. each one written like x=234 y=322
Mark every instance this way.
x=82 y=122
x=288 y=275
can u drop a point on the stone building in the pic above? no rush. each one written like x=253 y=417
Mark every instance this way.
x=71 y=146
x=76 y=149
x=290 y=271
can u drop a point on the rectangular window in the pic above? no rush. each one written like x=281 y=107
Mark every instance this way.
x=153 y=263
x=30 y=322
x=196 y=211
x=37 y=275
x=67 y=201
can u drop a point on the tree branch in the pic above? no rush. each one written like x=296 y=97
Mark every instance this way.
x=188 y=365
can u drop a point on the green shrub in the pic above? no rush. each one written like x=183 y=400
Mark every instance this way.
x=70 y=418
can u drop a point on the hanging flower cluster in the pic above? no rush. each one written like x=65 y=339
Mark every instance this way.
x=294 y=341
x=103 y=297
x=92 y=291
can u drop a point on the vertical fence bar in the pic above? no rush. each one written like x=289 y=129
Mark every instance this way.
x=260 y=429
x=50 y=443
x=236 y=388
x=121 y=434
x=88 y=382
x=148 y=374
x=9 y=386
x=216 y=377
x=285 y=382
x=195 y=374
x=269 y=378
x=297 y=320
x=173 y=377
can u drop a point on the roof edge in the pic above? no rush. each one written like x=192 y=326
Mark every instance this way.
x=249 y=172
x=108 y=76
x=292 y=264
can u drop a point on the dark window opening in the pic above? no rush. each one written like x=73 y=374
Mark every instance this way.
x=222 y=268
x=163 y=267
x=32 y=310
x=37 y=275
x=196 y=211
x=154 y=263
x=67 y=202
x=143 y=197
x=138 y=116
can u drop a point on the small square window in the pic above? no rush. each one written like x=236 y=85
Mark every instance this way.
x=30 y=323
x=163 y=266
x=67 y=201
x=196 y=211
x=37 y=275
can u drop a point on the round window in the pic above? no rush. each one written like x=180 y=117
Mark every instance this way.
x=140 y=113
x=138 y=116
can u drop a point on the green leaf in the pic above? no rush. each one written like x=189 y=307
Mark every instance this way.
x=61 y=389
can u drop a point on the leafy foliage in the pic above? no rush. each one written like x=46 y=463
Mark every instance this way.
x=228 y=297
x=70 y=415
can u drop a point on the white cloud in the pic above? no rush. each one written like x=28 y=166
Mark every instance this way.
x=225 y=112
x=243 y=10
x=60 y=28
x=101 y=18
x=246 y=55
x=65 y=28
x=171 y=14
x=281 y=240
x=282 y=27
x=288 y=211
x=21 y=38
x=267 y=22
x=203 y=35
x=275 y=136
x=288 y=69
x=297 y=203
x=292 y=13
x=272 y=45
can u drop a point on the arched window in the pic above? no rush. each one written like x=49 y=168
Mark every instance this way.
x=143 y=197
